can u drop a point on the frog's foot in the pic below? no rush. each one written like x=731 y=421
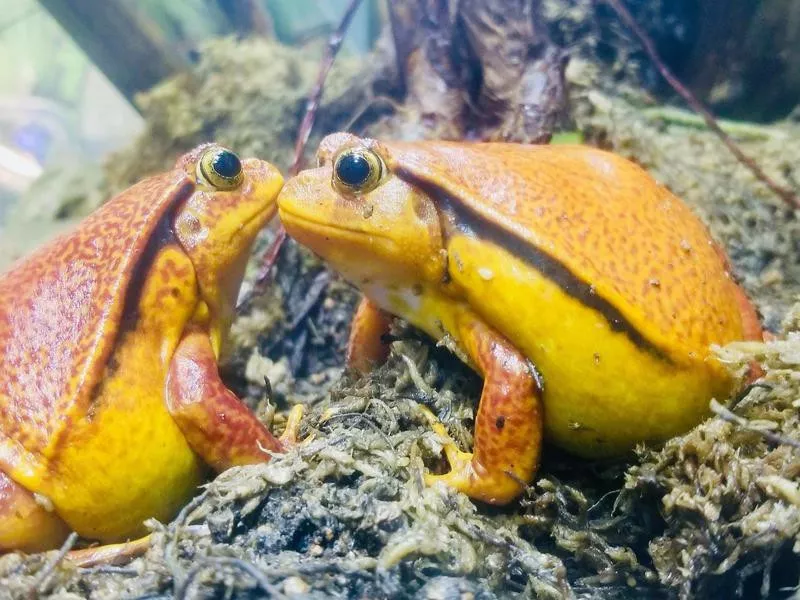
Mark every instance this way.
x=470 y=478
x=508 y=426
x=290 y=436
x=222 y=430
x=367 y=346
x=25 y=524
x=109 y=554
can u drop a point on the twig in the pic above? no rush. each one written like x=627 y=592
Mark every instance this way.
x=726 y=415
x=334 y=43
x=312 y=106
x=787 y=195
x=314 y=293
x=261 y=579
x=43 y=577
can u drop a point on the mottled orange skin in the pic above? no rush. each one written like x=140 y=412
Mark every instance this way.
x=92 y=327
x=567 y=259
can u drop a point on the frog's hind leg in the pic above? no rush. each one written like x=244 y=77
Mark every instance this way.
x=25 y=524
x=222 y=430
x=508 y=425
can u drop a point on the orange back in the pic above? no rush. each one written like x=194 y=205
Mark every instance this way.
x=601 y=216
x=60 y=311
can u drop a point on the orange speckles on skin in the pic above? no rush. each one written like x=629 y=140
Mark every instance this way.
x=88 y=326
x=623 y=208
x=366 y=348
x=58 y=315
x=600 y=277
x=214 y=421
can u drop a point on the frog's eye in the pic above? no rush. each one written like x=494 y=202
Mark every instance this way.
x=357 y=170
x=220 y=168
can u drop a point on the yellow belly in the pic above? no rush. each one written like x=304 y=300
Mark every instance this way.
x=124 y=460
x=602 y=392
x=129 y=461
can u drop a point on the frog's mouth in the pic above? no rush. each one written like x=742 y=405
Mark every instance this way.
x=300 y=226
x=356 y=254
x=256 y=222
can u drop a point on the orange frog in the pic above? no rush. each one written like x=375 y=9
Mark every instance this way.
x=111 y=405
x=586 y=294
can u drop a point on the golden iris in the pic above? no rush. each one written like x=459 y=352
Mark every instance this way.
x=220 y=168
x=357 y=170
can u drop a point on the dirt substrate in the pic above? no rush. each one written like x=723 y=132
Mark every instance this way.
x=346 y=515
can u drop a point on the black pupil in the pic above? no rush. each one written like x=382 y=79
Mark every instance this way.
x=226 y=164
x=352 y=169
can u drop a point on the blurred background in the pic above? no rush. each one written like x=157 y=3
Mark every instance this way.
x=67 y=89
x=75 y=71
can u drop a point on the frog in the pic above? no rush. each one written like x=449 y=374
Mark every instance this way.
x=112 y=408
x=586 y=295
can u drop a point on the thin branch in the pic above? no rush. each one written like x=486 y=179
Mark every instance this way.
x=312 y=106
x=42 y=581
x=787 y=195
x=334 y=44
x=731 y=417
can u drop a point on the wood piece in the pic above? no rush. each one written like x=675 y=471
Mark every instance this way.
x=787 y=195
x=124 y=44
x=477 y=69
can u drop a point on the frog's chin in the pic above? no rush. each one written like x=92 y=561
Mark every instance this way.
x=355 y=253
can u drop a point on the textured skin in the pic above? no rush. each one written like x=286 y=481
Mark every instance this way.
x=575 y=258
x=366 y=348
x=641 y=247
x=196 y=395
x=25 y=525
x=89 y=325
x=508 y=424
x=60 y=308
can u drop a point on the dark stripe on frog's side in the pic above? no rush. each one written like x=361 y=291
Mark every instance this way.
x=464 y=219
x=162 y=236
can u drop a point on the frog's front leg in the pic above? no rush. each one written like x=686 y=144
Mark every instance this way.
x=222 y=430
x=508 y=425
x=367 y=346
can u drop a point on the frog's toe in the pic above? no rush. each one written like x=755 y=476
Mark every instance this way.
x=468 y=476
x=109 y=554
x=25 y=524
x=290 y=436
x=454 y=456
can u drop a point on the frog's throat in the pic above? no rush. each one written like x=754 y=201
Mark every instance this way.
x=219 y=283
x=455 y=215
